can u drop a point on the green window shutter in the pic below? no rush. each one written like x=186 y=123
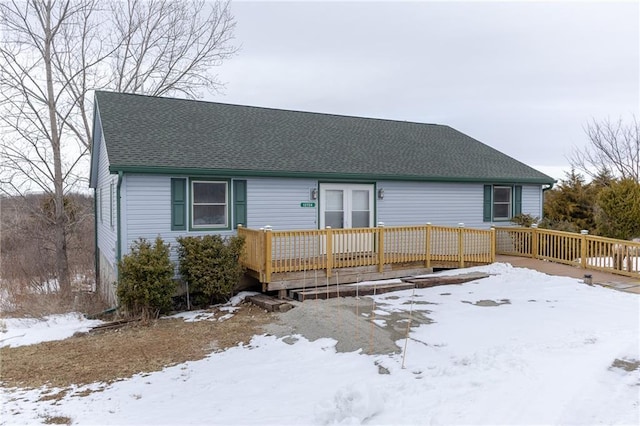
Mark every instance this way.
x=517 y=200
x=239 y=203
x=178 y=204
x=486 y=205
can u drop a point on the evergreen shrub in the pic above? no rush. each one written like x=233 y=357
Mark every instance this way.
x=146 y=283
x=211 y=265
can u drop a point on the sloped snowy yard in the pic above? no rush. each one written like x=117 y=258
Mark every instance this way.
x=518 y=347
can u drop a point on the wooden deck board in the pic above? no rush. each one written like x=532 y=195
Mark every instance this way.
x=295 y=280
x=350 y=290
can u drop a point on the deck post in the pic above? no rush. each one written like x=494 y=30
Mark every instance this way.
x=493 y=244
x=329 y=239
x=461 y=244
x=427 y=246
x=380 y=247
x=583 y=248
x=267 y=254
x=534 y=240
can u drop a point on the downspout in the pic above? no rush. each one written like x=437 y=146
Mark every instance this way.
x=542 y=201
x=95 y=237
x=118 y=224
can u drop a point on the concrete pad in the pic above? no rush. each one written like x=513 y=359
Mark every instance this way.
x=634 y=290
x=613 y=281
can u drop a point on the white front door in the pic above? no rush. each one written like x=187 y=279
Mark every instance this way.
x=346 y=205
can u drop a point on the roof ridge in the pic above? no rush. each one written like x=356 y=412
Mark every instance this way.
x=328 y=114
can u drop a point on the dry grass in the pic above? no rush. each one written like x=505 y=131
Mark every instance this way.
x=117 y=354
x=21 y=304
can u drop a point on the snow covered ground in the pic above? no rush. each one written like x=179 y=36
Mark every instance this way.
x=519 y=347
x=27 y=331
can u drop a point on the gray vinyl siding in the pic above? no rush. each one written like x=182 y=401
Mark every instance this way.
x=441 y=203
x=146 y=206
x=147 y=212
x=274 y=202
x=532 y=200
x=106 y=233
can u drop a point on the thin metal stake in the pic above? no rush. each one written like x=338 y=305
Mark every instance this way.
x=406 y=337
x=373 y=317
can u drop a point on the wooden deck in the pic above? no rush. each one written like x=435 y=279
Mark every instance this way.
x=285 y=260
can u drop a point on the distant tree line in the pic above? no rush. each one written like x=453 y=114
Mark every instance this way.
x=605 y=206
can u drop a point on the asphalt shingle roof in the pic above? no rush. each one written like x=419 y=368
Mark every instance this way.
x=149 y=133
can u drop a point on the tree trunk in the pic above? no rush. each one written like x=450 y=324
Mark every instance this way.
x=60 y=217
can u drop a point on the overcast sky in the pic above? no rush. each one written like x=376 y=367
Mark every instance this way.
x=524 y=78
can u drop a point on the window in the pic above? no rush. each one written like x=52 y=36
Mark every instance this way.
x=209 y=204
x=501 y=202
x=201 y=204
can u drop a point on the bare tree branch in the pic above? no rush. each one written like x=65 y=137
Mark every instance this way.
x=613 y=146
x=54 y=53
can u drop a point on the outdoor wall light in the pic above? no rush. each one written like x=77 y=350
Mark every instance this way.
x=380 y=193
x=314 y=193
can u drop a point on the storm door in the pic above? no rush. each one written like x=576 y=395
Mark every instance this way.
x=345 y=206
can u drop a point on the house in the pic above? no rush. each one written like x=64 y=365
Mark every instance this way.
x=172 y=167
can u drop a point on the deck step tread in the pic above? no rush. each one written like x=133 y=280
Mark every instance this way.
x=407 y=283
x=269 y=303
x=427 y=281
x=348 y=290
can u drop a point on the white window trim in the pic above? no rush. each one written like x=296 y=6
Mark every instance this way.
x=192 y=204
x=509 y=203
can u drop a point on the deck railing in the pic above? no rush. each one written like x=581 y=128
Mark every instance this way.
x=268 y=251
x=587 y=251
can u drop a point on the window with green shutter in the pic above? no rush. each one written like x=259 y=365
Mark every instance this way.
x=501 y=202
x=517 y=200
x=239 y=203
x=178 y=204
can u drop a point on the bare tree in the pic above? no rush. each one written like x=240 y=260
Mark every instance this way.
x=53 y=53
x=613 y=146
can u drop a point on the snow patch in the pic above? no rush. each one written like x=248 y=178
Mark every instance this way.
x=28 y=331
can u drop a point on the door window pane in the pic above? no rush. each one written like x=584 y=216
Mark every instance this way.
x=360 y=219
x=360 y=200
x=335 y=200
x=334 y=219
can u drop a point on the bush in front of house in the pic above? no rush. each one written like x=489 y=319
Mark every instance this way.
x=525 y=219
x=146 y=283
x=211 y=265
